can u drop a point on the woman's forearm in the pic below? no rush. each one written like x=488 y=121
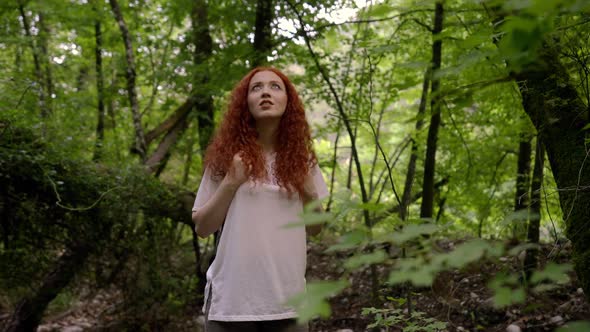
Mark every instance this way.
x=211 y=216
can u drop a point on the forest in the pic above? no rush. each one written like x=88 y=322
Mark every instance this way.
x=454 y=136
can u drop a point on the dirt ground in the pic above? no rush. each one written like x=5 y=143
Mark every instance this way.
x=460 y=298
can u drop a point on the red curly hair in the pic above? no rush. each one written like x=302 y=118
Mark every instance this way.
x=237 y=134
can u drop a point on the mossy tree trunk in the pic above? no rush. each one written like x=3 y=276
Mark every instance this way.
x=521 y=199
x=29 y=311
x=204 y=109
x=131 y=75
x=531 y=258
x=555 y=108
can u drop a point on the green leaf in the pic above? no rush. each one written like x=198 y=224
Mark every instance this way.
x=414 y=270
x=349 y=240
x=380 y=10
x=522 y=247
x=543 y=7
x=332 y=38
x=357 y=261
x=399 y=301
x=384 y=49
x=520 y=216
x=505 y=296
x=553 y=272
x=507 y=290
x=579 y=5
x=310 y=216
x=371 y=206
x=313 y=303
x=579 y=326
x=412 y=231
x=476 y=39
x=472 y=251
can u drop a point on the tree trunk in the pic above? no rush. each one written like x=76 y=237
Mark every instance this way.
x=165 y=126
x=521 y=199
x=334 y=164
x=203 y=50
x=99 y=86
x=426 y=209
x=82 y=78
x=45 y=111
x=44 y=34
x=29 y=311
x=411 y=171
x=203 y=108
x=263 y=32
x=109 y=100
x=350 y=164
x=531 y=260
x=155 y=160
x=560 y=127
x=140 y=143
x=190 y=145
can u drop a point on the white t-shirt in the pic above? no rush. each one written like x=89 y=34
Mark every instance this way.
x=259 y=263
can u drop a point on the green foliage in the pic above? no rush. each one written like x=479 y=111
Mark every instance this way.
x=352 y=239
x=416 y=321
x=313 y=302
x=311 y=216
x=53 y=202
x=507 y=290
x=580 y=326
x=54 y=195
x=411 y=232
x=422 y=268
x=363 y=260
x=553 y=272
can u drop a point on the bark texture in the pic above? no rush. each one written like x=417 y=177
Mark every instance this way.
x=99 y=86
x=28 y=313
x=43 y=103
x=521 y=199
x=531 y=257
x=202 y=94
x=155 y=161
x=204 y=111
x=140 y=143
x=427 y=206
x=263 y=32
x=553 y=104
x=44 y=34
x=411 y=171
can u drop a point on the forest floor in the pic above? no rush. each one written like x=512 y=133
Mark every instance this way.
x=459 y=298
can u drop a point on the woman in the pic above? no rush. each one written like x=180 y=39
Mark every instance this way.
x=260 y=170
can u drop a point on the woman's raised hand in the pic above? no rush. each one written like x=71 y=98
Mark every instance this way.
x=238 y=173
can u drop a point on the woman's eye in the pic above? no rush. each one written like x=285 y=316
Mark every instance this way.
x=256 y=88
x=276 y=86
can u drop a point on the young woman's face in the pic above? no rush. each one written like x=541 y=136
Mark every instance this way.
x=267 y=96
